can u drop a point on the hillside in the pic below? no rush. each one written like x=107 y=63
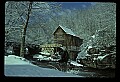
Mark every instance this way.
x=98 y=20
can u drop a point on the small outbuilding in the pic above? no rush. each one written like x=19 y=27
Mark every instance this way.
x=69 y=40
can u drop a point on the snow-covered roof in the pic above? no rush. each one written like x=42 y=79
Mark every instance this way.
x=67 y=31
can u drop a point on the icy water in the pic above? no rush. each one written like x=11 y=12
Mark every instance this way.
x=86 y=72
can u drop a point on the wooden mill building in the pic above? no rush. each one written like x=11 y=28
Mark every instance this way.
x=69 y=40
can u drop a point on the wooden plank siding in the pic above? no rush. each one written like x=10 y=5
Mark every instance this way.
x=69 y=41
x=59 y=37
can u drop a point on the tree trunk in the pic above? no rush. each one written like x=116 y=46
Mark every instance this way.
x=22 y=50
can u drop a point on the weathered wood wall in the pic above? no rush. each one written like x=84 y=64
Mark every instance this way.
x=71 y=43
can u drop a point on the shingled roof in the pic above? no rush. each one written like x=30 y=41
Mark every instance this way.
x=67 y=31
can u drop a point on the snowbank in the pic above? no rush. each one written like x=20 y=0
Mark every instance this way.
x=15 y=60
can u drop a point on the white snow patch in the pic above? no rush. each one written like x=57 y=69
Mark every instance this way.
x=93 y=36
x=89 y=47
x=75 y=63
x=38 y=56
x=73 y=71
x=102 y=57
x=46 y=53
x=41 y=57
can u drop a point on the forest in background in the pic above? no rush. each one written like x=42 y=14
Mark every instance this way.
x=96 y=24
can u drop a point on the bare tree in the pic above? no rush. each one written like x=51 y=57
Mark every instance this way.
x=24 y=30
x=22 y=13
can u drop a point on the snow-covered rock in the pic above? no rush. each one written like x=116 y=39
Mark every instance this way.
x=75 y=63
x=89 y=47
x=93 y=36
x=102 y=57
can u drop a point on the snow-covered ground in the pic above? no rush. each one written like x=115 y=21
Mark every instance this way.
x=46 y=58
x=16 y=66
x=15 y=60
